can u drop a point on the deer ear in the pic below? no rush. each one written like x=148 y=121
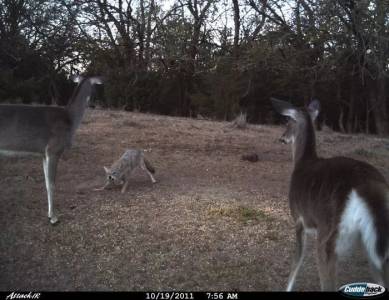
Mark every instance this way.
x=284 y=108
x=314 y=109
x=106 y=170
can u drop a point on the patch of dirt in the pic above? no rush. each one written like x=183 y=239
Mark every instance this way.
x=211 y=222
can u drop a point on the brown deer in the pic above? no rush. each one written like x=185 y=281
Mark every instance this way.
x=39 y=130
x=341 y=199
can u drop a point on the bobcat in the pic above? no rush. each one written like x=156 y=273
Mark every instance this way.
x=119 y=172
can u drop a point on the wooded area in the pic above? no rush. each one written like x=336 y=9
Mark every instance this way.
x=210 y=58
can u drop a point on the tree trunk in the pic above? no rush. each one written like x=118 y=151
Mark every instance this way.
x=367 y=130
x=148 y=34
x=351 y=111
x=236 y=27
x=380 y=107
x=340 y=122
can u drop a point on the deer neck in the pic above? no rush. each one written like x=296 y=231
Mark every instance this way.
x=78 y=102
x=304 y=146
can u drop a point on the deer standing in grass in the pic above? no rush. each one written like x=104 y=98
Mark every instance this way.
x=343 y=200
x=27 y=130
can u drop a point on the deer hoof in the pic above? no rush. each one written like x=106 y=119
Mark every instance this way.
x=53 y=220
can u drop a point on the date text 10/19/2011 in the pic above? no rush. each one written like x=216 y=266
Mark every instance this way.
x=191 y=296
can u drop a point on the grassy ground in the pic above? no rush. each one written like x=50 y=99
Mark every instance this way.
x=212 y=222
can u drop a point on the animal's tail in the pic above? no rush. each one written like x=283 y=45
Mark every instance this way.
x=149 y=166
x=374 y=230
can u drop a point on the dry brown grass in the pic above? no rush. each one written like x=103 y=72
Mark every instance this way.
x=243 y=214
x=212 y=222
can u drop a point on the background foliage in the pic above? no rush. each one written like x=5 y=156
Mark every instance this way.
x=209 y=58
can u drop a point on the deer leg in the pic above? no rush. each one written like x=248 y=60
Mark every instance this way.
x=298 y=255
x=385 y=273
x=380 y=273
x=49 y=195
x=327 y=265
x=376 y=273
x=50 y=163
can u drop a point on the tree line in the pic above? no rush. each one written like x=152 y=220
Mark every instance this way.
x=210 y=58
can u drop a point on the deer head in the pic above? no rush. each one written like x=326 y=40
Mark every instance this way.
x=299 y=129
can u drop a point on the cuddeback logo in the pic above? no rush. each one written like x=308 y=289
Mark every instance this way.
x=362 y=289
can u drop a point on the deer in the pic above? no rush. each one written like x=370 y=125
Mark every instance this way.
x=343 y=200
x=44 y=131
